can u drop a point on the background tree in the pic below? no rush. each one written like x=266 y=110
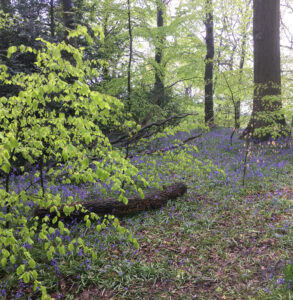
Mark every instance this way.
x=209 y=63
x=233 y=69
x=68 y=13
x=159 y=87
x=267 y=118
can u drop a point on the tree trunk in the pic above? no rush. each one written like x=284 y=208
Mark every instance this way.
x=68 y=14
x=130 y=55
x=159 y=87
x=241 y=66
x=209 y=64
x=244 y=36
x=152 y=200
x=52 y=19
x=266 y=120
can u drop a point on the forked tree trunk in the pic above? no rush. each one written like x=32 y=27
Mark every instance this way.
x=209 y=63
x=266 y=119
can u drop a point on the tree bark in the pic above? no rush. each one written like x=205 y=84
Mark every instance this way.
x=151 y=200
x=52 y=19
x=159 y=87
x=130 y=56
x=68 y=14
x=209 y=63
x=266 y=119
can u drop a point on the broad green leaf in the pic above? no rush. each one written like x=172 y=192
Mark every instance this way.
x=11 y=50
x=6 y=168
x=32 y=263
x=20 y=269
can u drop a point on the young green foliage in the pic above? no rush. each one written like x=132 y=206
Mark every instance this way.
x=54 y=117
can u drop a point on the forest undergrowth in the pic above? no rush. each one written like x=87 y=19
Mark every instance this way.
x=222 y=240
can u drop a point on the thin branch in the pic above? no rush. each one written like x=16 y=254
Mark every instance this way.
x=141 y=132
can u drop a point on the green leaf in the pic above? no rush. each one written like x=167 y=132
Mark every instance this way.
x=6 y=168
x=12 y=259
x=11 y=50
x=3 y=261
x=61 y=250
x=102 y=174
x=26 y=277
x=42 y=236
x=5 y=252
x=88 y=223
x=32 y=263
x=85 y=163
x=141 y=194
x=34 y=274
x=47 y=245
x=13 y=142
x=135 y=243
x=20 y=269
x=70 y=247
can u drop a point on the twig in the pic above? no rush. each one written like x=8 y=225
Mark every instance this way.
x=245 y=160
x=140 y=133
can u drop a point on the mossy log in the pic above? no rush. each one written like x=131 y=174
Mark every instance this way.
x=152 y=200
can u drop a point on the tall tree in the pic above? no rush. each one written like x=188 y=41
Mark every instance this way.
x=68 y=14
x=267 y=120
x=52 y=18
x=159 y=87
x=243 y=53
x=209 y=63
x=130 y=53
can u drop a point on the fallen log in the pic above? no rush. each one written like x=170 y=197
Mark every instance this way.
x=152 y=200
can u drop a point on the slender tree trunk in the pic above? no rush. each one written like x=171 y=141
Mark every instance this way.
x=266 y=120
x=241 y=64
x=130 y=55
x=159 y=87
x=105 y=71
x=52 y=19
x=209 y=64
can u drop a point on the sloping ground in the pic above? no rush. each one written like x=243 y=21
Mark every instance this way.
x=221 y=240
x=201 y=250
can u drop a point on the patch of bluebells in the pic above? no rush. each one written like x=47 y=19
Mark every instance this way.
x=21 y=290
x=214 y=146
x=3 y=292
x=54 y=263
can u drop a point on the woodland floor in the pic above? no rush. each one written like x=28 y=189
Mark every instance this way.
x=221 y=240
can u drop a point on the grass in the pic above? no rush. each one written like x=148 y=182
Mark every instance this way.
x=221 y=240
